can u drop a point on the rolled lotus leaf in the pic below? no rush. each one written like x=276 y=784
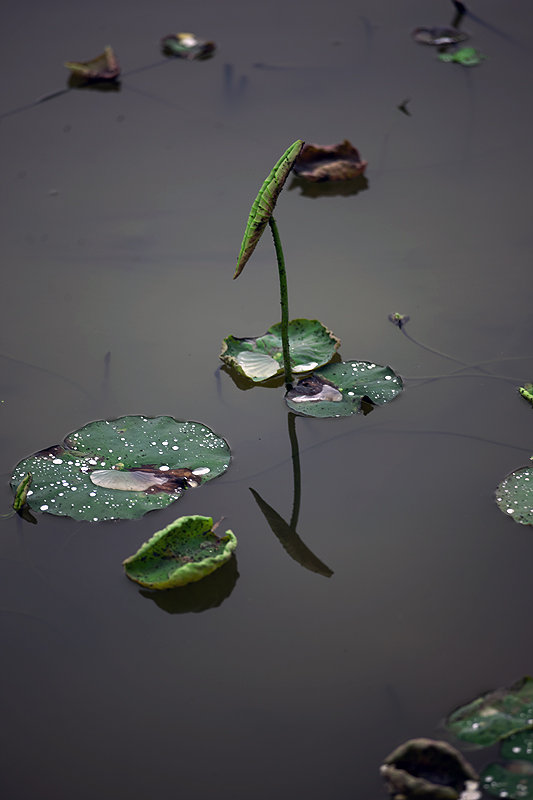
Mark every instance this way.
x=184 y=552
x=102 y=68
x=425 y=768
x=337 y=162
x=264 y=203
x=495 y=715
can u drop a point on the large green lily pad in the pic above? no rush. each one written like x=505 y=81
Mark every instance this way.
x=184 y=552
x=122 y=468
x=260 y=358
x=514 y=495
x=495 y=715
x=337 y=390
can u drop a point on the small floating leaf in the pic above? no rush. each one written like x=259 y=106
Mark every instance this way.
x=120 y=469
x=495 y=715
x=102 y=68
x=527 y=392
x=186 y=45
x=259 y=358
x=467 y=57
x=439 y=36
x=264 y=203
x=514 y=495
x=338 y=162
x=338 y=390
x=185 y=551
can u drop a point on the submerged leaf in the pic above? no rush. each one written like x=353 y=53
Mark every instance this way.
x=514 y=495
x=184 y=552
x=495 y=715
x=467 y=57
x=120 y=469
x=338 y=162
x=439 y=37
x=186 y=45
x=264 y=203
x=102 y=68
x=259 y=358
x=339 y=390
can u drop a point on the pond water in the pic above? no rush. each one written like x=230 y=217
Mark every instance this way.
x=123 y=217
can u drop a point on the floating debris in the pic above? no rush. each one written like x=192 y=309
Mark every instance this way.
x=314 y=389
x=338 y=162
x=102 y=68
x=425 y=768
x=439 y=37
x=399 y=319
x=466 y=56
x=187 y=45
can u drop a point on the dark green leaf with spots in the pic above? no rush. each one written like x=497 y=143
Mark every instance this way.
x=184 y=552
x=155 y=459
x=514 y=495
x=339 y=390
x=495 y=715
x=514 y=781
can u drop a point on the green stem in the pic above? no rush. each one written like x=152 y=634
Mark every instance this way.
x=284 y=301
x=296 y=472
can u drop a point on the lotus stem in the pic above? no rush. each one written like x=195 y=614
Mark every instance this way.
x=284 y=301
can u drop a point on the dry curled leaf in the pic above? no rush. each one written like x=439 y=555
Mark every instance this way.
x=337 y=162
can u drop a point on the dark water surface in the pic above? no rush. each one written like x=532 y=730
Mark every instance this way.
x=122 y=217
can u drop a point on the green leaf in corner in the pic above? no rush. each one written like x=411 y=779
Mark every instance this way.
x=264 y=203
x=493 y=716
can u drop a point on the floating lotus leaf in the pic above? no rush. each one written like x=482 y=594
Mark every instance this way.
x=425 y=768
x=184 y=552
x=338 y=390
x=466 y=56
x=439 y=37
x=519 y=746
x=514 y=495
x=264 y=203
x=514 y=781
x=186 y=45
x=102 y=68
x=261 y=358
x=495 y=715
x=338 y=162
x=122 y=468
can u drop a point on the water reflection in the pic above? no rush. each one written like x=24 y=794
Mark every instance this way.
x=286 y=532
x=208 y=593
x=330 y=189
